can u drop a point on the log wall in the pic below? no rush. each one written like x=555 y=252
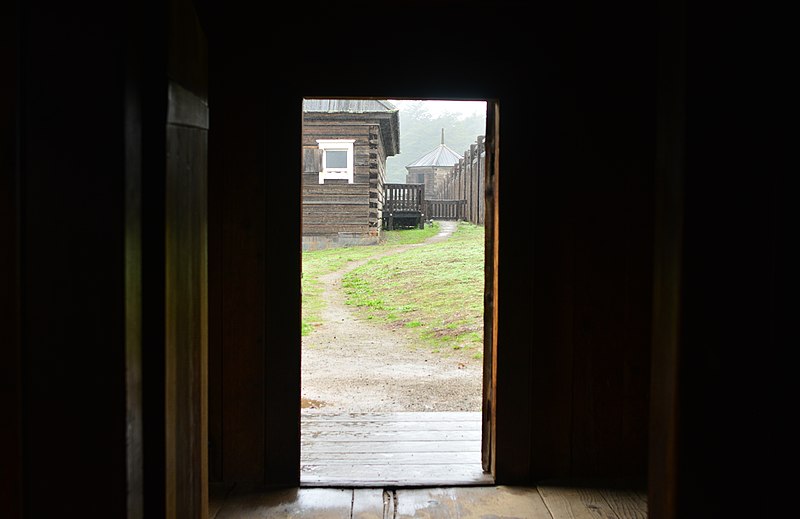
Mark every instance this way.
x=338 y=212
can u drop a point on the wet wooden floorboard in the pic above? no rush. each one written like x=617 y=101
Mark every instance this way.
x=547 y=502
x=410 y=465
x=391 y=449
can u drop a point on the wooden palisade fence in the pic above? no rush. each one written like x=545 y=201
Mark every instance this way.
x=457 y=196
x=466 y=183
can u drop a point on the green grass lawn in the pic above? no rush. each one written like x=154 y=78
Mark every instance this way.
x=321 y=262
x=435 y=292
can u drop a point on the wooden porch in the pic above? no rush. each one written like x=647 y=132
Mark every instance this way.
x=403 y=206
x=391 y=449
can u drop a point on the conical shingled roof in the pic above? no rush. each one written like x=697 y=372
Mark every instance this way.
x=442 y=155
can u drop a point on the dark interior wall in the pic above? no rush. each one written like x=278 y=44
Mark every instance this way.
x=255 y=263
x=721 y=321
x=73 y=285
x=237 y=239
x=572 y=284
x=576 y=90
x=10 y=375
x=734 y=333
x=87 y=136
x=592 y=238
x=668 y=238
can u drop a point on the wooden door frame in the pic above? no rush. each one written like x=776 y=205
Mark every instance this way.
x=491 y=261
x=490 y=300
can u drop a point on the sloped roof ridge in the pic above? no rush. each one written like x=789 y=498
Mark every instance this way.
x=441 y=155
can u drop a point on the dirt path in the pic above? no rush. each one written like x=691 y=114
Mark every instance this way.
x=354 y=365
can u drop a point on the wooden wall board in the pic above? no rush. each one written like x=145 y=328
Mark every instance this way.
x=238 y=270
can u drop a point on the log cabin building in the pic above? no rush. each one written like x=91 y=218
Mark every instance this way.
x=345 y=146
x=150 y=245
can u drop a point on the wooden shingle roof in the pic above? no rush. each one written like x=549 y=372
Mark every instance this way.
x=383 y=112
x=352 y=106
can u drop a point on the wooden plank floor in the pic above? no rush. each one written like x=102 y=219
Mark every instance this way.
x=391 y=449
x=544 y=502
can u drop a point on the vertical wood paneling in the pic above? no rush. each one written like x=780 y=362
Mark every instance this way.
x=553 y=303
x=133 y=269
x=514 y=339
x=282 y=318
x=216 y=185
x=592 y=203
x=259 y=299
x=186 y=317
x=186 y=267
x=668 y=228
x=238 y=171
x=611 y=186
x=11 y=352
x=599 y=337
x=72 y=258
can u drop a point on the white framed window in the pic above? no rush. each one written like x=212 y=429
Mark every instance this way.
x=337 y=159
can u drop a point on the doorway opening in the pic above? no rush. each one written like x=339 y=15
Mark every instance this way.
x=397 y=283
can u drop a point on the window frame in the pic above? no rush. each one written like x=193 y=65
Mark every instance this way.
x=336 y=173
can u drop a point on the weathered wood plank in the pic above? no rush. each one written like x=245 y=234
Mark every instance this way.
x=627 y=504
x=358 y=475
x=372 y=503
x=186 y=301
x=397 y=446
x=366 y=450
x=475 y=502
x=438 y=502
x=367 y=426
x=394 y=458
x=347 y=206
x=334 y=129
x=335 y=223
x=414 y=416
x=331 y=189
x=576 y=502
x=348 y=199
x=329 y=209
x=326 y=229
x=391 y=436
x=317 y=503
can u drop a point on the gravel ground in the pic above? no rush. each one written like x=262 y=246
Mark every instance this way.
x=354 y=365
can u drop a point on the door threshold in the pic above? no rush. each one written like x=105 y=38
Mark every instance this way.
x=409 y=450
